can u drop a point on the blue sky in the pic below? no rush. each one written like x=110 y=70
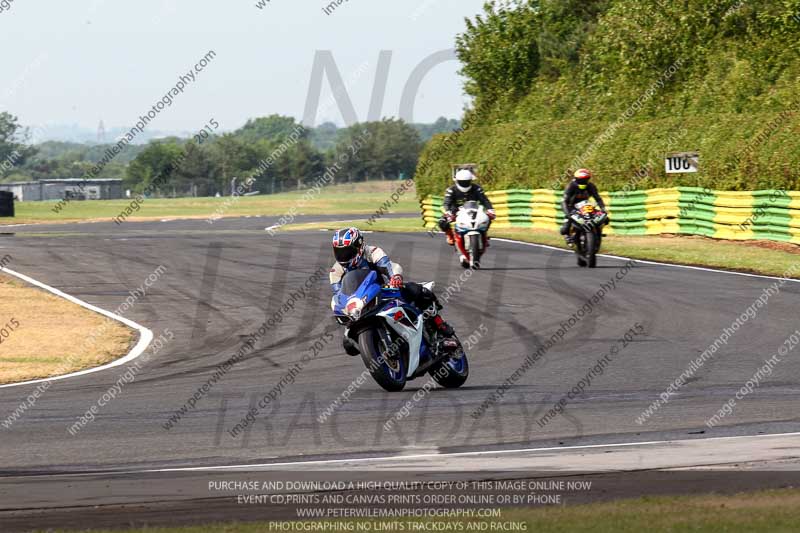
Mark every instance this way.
x=81 y=61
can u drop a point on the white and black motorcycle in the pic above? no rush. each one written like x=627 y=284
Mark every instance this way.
x=472 y=224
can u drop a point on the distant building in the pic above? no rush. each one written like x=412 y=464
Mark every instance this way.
x=77 y=189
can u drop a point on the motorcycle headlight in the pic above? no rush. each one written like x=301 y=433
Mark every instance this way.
x=354 y=308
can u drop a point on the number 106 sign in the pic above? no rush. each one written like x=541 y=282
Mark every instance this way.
x=682 y=162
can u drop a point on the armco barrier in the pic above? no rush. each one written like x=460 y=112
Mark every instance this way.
x=765 y=215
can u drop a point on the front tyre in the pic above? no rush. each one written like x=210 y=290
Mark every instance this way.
x=388 y=372
x=453 y=372
x=475 y=250
x=591 y=249
x=580 y=249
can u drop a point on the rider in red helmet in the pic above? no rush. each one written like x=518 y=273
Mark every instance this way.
x=579 y=189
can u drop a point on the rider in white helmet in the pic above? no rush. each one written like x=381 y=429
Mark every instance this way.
x=465 y=190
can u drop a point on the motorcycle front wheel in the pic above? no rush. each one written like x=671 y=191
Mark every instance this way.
x=475 y=250
x=388 y=372
x=591 y=249
x=580 y=249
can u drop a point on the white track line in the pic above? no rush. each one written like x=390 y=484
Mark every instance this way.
x=455 y=454
x=622 y=258
x=145 y=335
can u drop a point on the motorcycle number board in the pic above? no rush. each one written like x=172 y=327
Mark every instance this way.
x=682 y=162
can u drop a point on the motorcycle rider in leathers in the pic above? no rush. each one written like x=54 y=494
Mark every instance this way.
x=352 y=253
x=579 y=190
x=463 y=191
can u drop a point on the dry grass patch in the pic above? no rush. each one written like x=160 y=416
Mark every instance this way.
x=42 y=335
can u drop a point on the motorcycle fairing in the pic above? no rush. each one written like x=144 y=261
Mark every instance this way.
x=409 y=329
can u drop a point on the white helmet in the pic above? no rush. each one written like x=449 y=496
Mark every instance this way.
x=464 y=179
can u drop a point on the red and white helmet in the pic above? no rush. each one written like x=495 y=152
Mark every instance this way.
x=348 y=247
x=583 y=175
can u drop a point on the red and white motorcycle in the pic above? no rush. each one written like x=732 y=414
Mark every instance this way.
x=471 y=227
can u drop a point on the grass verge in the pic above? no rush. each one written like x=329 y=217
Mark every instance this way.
x=774 y=511
x=757 y=257
x=357 y=198
x=42 y=335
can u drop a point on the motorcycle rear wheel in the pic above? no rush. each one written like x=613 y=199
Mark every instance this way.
x=453 y=372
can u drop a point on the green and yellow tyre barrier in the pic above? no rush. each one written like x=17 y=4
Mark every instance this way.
x=749 y=215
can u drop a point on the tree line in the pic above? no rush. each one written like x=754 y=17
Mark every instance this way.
x=276 y=151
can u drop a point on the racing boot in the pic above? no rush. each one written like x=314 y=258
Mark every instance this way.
x=565 y=231
x=350 y=346
x=447 y=336
x=463 y=251
x=451 y=240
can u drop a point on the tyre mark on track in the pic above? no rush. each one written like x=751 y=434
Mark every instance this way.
x=494 y=295
x=207 y=286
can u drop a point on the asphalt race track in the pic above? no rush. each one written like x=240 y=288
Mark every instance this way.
x=220 y=282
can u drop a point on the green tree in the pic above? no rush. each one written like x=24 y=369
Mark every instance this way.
x=232 y=156
x=564 y=26
x=442 y=125
x=324 y=136
x=378 y=150
x=12 y=142
x=153 y=168
x=272 y=128
x=499 y=50
x=195 y=174
x=305 y=163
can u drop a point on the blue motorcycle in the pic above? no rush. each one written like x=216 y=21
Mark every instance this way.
x=391 y=334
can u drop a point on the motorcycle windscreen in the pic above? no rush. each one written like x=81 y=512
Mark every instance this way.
x=350 y=283
x=471 y=205
x=354 y=279
x=361 y=283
